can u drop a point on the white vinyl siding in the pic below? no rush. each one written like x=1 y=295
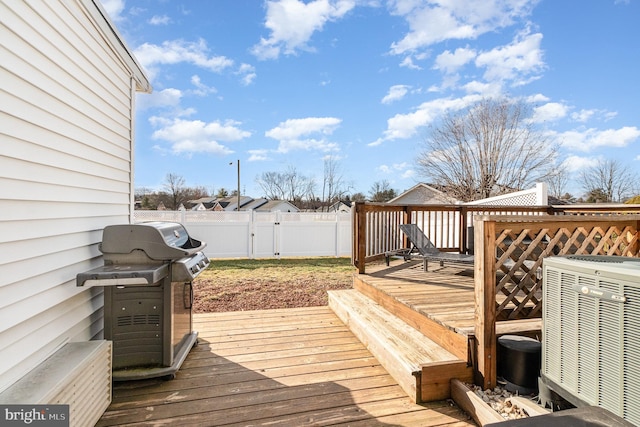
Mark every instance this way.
x=65 y=171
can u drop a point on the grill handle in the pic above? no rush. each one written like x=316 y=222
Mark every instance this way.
x=187 y=295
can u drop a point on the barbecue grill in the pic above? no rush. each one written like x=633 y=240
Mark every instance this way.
x=147 y=278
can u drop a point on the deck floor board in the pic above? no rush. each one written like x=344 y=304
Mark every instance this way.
x=442 y=294
x=276 y=367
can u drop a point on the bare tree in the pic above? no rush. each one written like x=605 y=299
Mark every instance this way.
x=175 y=189
x=289 y=185
x=612 y=180
x=334 y=186
x=272 y=185
x=298 y=186
x=491 y=148
x=381 y=191
x=558 y=182
x=358 y=197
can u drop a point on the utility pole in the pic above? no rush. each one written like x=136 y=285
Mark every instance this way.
x=238 y=185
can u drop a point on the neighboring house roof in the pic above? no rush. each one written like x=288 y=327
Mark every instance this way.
x=254 y=204
x=203 y=203
x=421 y=194
x=203 y=200
x=556 y=201
x=278 y=205
x=246 y=204
x=341 y=206
x=230 y=203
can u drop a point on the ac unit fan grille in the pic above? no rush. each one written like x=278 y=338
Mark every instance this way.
x=591 y=345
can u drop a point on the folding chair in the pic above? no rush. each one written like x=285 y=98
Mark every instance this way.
x=421 y=244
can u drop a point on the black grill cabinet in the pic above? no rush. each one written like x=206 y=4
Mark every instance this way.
x=148 y=294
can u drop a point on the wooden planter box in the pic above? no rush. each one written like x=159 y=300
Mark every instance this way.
x=481 y=412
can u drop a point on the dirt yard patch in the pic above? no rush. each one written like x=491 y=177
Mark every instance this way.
x=235 y=285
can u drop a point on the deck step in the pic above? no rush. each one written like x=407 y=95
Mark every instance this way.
x=420 y=366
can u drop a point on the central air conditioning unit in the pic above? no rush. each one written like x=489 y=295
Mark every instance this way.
x=591 y=332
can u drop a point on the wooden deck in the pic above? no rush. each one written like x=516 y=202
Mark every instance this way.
x=439 y=303
x=279 y=367
x=443 y=294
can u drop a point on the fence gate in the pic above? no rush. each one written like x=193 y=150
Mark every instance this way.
x=263 y=234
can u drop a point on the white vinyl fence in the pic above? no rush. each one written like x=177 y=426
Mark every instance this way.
x=263 y=234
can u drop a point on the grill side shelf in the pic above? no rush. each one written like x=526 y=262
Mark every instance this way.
x=123 y=275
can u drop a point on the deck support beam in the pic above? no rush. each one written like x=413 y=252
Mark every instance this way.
x=485 y=297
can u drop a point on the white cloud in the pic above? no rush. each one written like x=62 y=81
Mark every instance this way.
x=551 y=111
x=520 y=61
x=402 y=170
x=114 y=9
x=195 y=136
x=160 y=20
x=408 y=63
x=394 y=168
x=296 y=134
x=258 y=155
x=585 y=115
x=309 y=144
x=293 y=22
x=177 y=51
x=449 y=81
x=409 y=173
x=577 y=163
x=404 y=126
x=295 y=128
x=433 y=22
x=201 y=88
x=485 y=89
x=158 y=99
x=247 y=74
x=590 y=139
x=538 y=97
x=396 y=93
x=449 y=62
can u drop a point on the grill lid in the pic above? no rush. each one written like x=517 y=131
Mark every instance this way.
x=159 y=240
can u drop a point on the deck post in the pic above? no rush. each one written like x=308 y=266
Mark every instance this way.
x=359 y=225
x=485 y=301
x=635 y=247
x=406 y=219
x=462 y=244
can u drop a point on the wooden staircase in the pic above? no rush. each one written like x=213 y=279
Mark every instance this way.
x=420 y=354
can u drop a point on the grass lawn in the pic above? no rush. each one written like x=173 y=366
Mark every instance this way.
x=257 y=284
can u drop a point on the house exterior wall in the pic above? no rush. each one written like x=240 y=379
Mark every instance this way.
x=66 y=106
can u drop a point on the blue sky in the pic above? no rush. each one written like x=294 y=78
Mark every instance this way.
x=286 y=83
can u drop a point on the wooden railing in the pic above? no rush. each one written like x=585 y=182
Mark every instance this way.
x=508 y=265
x=509 y=244
x=376 y=231
x=375 y=225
